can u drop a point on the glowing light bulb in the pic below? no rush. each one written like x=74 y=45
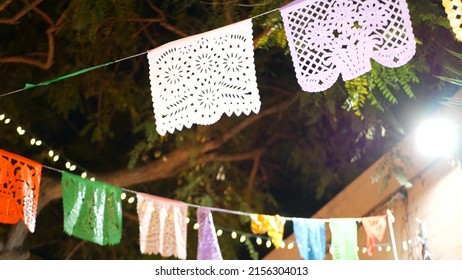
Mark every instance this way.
x=437 y=137
x=68 y=165
x=357 y=249
x=72 y=168
x=32 y=141
x=131 y=200
x=38 y=142
x=259 y=241
x=364 y=250
x=84 y=175
x=268 y=243
x=2 y=117
x=56 y=158
x=234 y=235
x=123 y=196
x=380 y=248
x=219 y=232
x=388 y=248
x=7 y=121
x=187 y=220
x=290 y=246
x=282 y=245
x=242 y=239
x=51 y=153
x=92 y=179
x=196 y=226
x=20 y=130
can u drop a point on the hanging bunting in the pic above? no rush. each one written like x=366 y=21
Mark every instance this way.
x=332 y=37
x=375 y=230
x=208 y=247
x=274 y=225
x=20 y=180
x=196 y=79
x=344 y=239
x=454 y=13
x=92 y=210
x=310 y=235
x=163 y=228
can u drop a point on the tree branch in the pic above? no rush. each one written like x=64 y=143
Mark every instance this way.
x=252 y=176
x=212 y=145
x=5 y=4
x=163 y=21
x=51 y=45
x=20 y=14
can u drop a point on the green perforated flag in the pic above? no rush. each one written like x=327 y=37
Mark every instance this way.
x=92 y=210
x=344 y=239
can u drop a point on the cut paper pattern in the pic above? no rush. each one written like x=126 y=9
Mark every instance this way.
x=274 y=225
x=196 y=79
x=332 y=37
x=92 y=210
x=163 y=228
x=310 y=236
x=454 y=13
x=20 y=187
x=375 y=227
x=208 y=247
x=344 y=239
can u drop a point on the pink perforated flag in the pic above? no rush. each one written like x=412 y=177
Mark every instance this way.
x=163 y=227
x=196 y=79
x=332 y=37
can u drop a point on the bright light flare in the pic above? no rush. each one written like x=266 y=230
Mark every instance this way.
x=437 y=137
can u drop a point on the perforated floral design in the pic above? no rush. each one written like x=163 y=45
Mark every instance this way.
x=163 y=228
x=332 y=37
x=208 y=247
x=196 y=79
x=19 y=190
x=92 y=210
x=453 y=9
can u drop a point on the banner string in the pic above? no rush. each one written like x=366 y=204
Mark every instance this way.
x=85 y=70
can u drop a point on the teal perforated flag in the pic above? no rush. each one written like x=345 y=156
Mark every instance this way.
x=92 y=210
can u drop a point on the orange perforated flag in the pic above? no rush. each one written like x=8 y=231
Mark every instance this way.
x=19 y=191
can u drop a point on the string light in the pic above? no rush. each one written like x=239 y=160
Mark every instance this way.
x=72 y=168
x=56 y=158
x=196 y=226
x=282 y=245
x=32 y=141
x=388 y=249
x=131 y=200
x=379 y=248
x=7 y=121
x=123 y=196
x=357 y=249
x=83 y=175
x=51 y=153
x=233 y=235
x=68 y=165
x=259 y=241
x=290 y=246
x=242 y=239
x=20 y=130
x=92 y=179
x=364 y=250
x=219 y=232
x=187 y=220
x=2 y=117
x=268 y=243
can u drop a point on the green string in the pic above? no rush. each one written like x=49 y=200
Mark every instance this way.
x=29 y=86
x=76 y=73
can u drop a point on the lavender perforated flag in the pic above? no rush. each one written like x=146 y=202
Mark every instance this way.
x=332 y=37
x=208 y=247
x=196 y=79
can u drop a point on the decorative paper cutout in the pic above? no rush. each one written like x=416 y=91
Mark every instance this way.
x=208 y=247
x=92 y=210
x=344 y=239
x=454 y=12
x=19 y=191
x=375 y=230
x=332 y=37
x=196 y=79
x=274 y=225
x=163 y=228
x=311 y=238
